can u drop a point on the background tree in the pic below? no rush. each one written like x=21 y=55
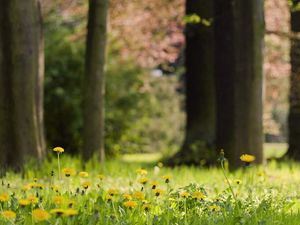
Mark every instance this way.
x=93 y=99
x=21 y=77
x=199 y=85
x=239 y=30
x=294 y=110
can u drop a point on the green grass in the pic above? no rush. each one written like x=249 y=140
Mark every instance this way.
x=266 y=194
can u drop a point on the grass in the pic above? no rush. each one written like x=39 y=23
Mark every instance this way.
x=126 y=194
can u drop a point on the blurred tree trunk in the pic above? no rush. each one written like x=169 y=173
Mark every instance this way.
x=294 y=113
x=20 y=71
x=93 y=103
x=239 y=32
x=200 y=90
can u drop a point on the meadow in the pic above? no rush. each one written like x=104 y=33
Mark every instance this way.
x=139 y=190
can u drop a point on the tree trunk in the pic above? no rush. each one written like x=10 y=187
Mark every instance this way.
x=20 y=135
x=294 y=112
x=93 y=103
x=239 y=31
x=200 y=90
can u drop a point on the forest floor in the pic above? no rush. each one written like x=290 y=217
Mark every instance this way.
x=136 y=189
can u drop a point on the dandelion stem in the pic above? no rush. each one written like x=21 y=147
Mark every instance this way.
x=58 y=166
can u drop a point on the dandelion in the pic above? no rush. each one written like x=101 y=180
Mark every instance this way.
x=184 y=194
x=4 y=197
x=143 y=180
x=142 y=172
x=112 y=192
x=58 y=200
x=130 y=204
x=8 y=214
x=70 y=212
x=146 y=207
x=109 y=198
x=154 y=185
x=247 y=158
x=198 y=195
x=40 y=215
x=158 y=192
x=139 y=195
x=83 y=174
x=32 y=199
x=86 y=184
x=167 y=178
x=214 y=208
x=24 y=202
x=127 y=196
x=58 y=150
x=57 y=212
x=68 y=172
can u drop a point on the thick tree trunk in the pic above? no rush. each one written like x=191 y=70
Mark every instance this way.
x=18 y=76
x=198 y=146
x=294 y=113
x=93 y=103
x=239 y=31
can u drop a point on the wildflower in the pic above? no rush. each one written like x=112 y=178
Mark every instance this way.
x=8 y=214
x=198 y=195
x=154 y=184
x=237 y=181
x=143 y=180
x=86 y=184
x=68 y=172
x=167 y=178
x=130 y=204
x=184 y=194
x=40 y=215
x=127 y=196
x=24 y=202
x=70 y=212
x=158 y=192
x=214 y=208
x=83 y=174
x=32 y=199
x=112 y=192
x=247 y=158
x=139 y=195
x=4 y=197
x=57 y=212
x=142 y=172
x=146 y=207
x=58 y=200
x=26 y=187
x=100 y=176
x=109 y=198
x=58 y=150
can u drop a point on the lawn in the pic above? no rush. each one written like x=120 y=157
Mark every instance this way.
x=136 y=189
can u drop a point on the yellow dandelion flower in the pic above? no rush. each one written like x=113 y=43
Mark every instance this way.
x=139 y=195
x=214 y=208
x=127 y=196
x=109 y=198
x=184 y=194
x=8 y=214
x=83 y=174
x=112 y=192
x=158 y=192
x=247 y=158
x=86 y=184
x=198 y=195
x=69 y=172
x=40 y=215
x=142 y=172
x=32 y=199
x=26 y=187
x=58 y=150
x=167 y=178
x=130 y=204
x=70 y=212
x=143 y=180
x=4 y=197
x=154 y=184
x=58 y=200
x=146 y=207
x=57 y=212
x=24 y=202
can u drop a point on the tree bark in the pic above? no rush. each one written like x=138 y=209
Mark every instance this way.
x=93 y=103
x=294 y=111
x=19 y=130
x=239 y=31
x=198 y=146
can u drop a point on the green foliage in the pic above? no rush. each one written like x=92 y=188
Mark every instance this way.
x=142 y=111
